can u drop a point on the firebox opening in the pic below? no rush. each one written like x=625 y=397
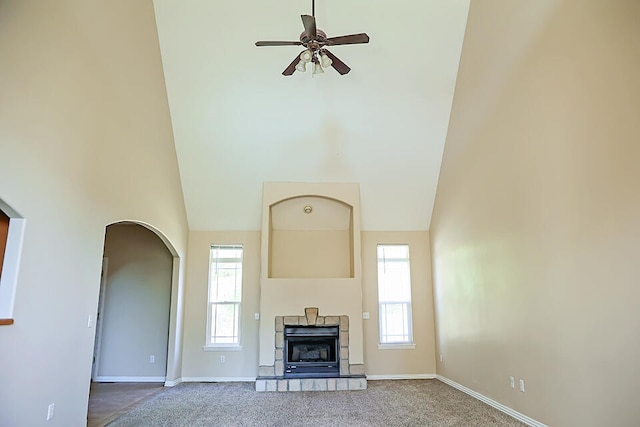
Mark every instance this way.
x=311 y=351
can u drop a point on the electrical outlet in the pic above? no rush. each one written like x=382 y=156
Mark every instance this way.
x=152 y=359
x=513 y=382
x=222 y=359
x=50 y=411
x=522 y=386
x=256 y=316
x=366 y=315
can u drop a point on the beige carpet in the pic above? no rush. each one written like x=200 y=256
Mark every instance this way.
x=384 y=403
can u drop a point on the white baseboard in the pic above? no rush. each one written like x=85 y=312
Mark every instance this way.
x=402 y=377
x=252 y=379
x=172 y=383
x=218 y=379
x=129 y=379
x=499 y=406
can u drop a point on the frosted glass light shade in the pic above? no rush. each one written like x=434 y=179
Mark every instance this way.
x=325 y=61
x=306 y=56
x=302 y=66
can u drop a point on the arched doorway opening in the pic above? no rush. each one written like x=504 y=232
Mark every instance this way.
x=133 y=337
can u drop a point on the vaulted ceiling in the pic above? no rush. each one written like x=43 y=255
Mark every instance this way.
x=238 y=122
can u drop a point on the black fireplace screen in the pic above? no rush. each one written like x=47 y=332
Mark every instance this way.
x=311 y=351
x=308 y=351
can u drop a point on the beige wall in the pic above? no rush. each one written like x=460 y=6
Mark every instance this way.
x=86 y=140
x=309 y=254
x=395 y=362
x=206 y=365
x=535 y=228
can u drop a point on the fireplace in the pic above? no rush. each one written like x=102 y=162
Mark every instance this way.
x=311 y=354
x=311 y=351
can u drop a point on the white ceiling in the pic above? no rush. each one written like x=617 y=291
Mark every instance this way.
x=238 y=122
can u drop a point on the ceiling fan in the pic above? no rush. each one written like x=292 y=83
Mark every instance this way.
x=316 y=41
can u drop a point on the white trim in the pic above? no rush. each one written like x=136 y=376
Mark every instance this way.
x=106 y=379
x=499 y=406
x=402 y=377
x=172 y=383
x=221 y=348
x=218 y=379
x=97 y=344
x=174 y=347
x=397 y=346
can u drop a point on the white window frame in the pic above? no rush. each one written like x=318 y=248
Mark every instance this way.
x=384 y=341
x=11 y=265
x=210 y=345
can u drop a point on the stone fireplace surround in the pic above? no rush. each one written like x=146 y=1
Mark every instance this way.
x=271 y=378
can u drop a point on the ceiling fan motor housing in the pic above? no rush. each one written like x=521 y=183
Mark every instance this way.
x=321 y=37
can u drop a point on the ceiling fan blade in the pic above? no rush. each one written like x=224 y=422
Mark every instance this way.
x=336 y=63
x=292 y=67
x=309 y=23
x=350 y=39
x=277 y=43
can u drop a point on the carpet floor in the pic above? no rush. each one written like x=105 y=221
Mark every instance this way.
x=384 y=403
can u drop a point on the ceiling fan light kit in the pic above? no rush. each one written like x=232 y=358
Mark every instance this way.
x=319 y=64
x=315 y=41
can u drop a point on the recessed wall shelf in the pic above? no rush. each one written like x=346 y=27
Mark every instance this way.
x=303 y=245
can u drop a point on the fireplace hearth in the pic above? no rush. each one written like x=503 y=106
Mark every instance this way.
x=311 y=351
x=311 y=354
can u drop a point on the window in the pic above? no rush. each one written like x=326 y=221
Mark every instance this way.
x=394 y=294
x=4 y=232
x=12 y=227
x=225 y=296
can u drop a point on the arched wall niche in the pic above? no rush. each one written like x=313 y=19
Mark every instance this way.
x=311 y=236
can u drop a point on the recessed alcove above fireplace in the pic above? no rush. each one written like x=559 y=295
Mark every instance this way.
x=311 y=236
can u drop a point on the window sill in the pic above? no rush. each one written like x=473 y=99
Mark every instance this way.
x=396 y=346
x=221 y=348
x=6 y=322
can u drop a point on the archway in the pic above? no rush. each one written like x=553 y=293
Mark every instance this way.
x=133 y=342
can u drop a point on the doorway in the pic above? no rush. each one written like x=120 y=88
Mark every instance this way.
x=132 y=322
